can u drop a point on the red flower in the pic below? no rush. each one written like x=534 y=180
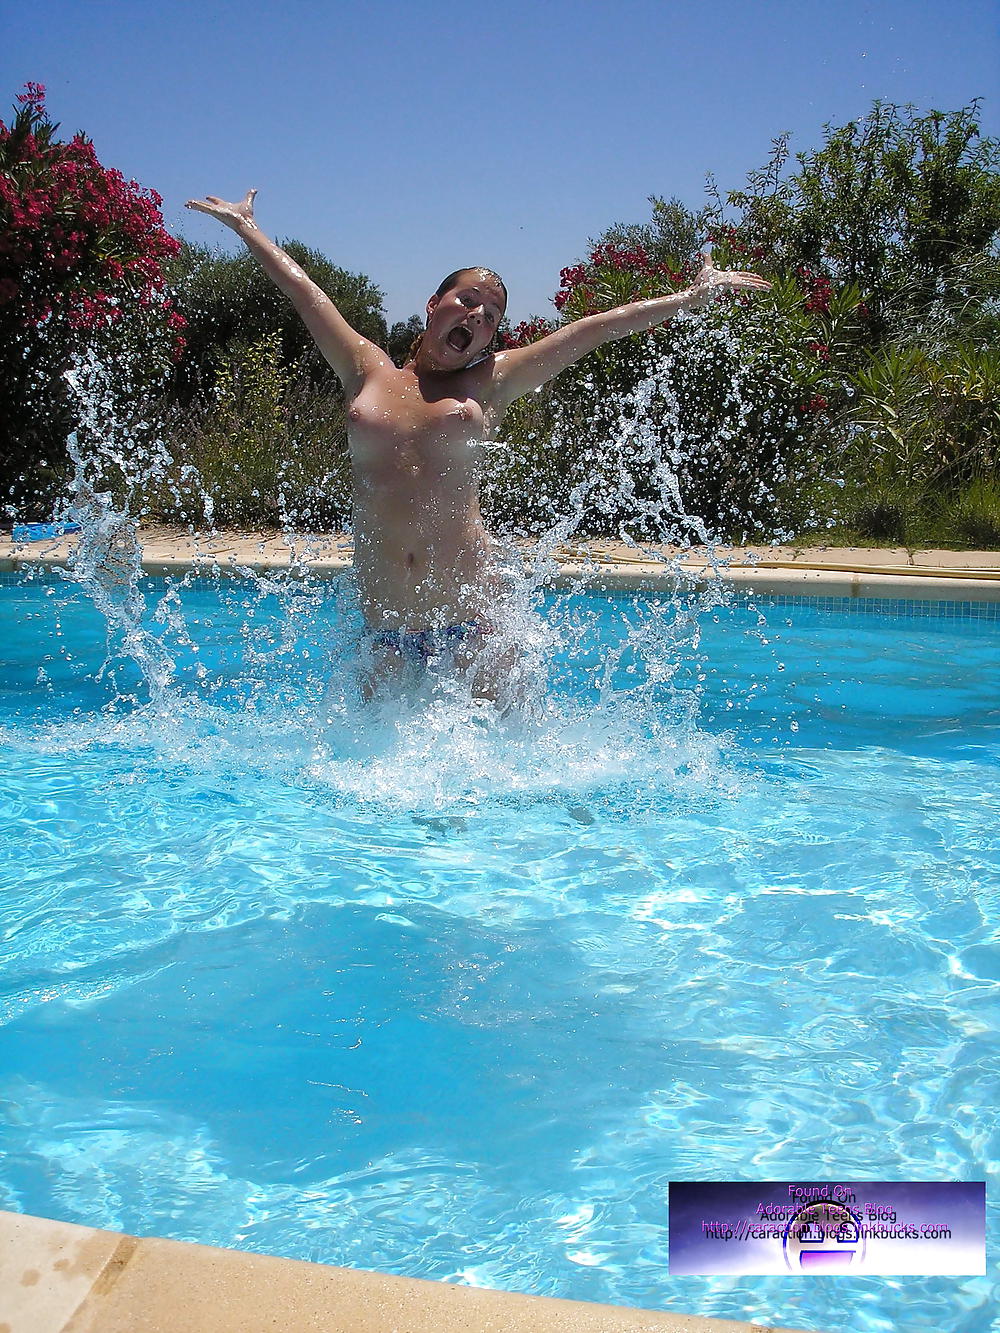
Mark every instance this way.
x=528 y=331
x=62 y=216
x=33 y=95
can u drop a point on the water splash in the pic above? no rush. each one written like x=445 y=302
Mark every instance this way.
x=584 y=707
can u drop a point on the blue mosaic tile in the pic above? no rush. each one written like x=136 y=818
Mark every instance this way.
x=894 y=607
x=897 y=607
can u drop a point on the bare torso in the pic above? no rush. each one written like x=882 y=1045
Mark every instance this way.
x=423 y=558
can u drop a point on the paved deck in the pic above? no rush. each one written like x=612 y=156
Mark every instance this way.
x=59 y=1278
x=811 y=571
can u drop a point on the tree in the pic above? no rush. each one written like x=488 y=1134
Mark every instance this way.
x=401 y=337
x=81 y=255
x=906 y=207
x=673 y=235
x=229 y=303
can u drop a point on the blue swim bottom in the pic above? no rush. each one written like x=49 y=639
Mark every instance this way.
x=419 y=646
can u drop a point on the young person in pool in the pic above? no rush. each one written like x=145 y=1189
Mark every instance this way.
x=428 y=576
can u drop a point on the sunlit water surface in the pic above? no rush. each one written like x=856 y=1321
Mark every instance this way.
x=419 y=991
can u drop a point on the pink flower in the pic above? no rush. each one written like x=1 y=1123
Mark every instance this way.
x=63 y=215
x=33 y=96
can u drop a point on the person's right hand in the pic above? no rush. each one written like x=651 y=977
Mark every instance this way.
x=233 y=215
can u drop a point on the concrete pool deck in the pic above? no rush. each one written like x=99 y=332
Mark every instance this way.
x=60 y=1278
x=810 y=571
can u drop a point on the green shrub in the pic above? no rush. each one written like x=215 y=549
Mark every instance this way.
x=974 y=514
x=884 y=512
x=229 y=304
x=263 y=449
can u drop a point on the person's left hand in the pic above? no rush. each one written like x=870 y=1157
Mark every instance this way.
x=711 y=282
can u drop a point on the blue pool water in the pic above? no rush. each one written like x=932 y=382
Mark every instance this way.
x=419 y=994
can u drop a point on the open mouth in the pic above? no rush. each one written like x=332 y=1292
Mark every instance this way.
x=460 y=338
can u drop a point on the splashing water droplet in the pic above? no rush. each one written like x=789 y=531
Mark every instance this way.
x=592 y=698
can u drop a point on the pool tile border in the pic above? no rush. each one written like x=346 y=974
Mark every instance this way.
x=56 y=1277
x=808 y=585
x=909 y=608
x=879 y=599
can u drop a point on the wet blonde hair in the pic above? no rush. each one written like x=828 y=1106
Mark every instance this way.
x=452 y=281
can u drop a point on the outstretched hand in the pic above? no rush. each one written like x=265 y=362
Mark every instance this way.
x=710 y=282
x=233 y=215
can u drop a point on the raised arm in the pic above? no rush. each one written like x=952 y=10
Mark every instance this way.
x=526 y=368
x=350 y=354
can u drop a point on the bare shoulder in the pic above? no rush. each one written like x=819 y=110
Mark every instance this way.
x=518 y=370
x=376 y=369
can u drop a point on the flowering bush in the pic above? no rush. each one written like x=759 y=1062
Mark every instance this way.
x=81 y=250
x=735 y=398
x=614 y=275
x=528 y=331
x=75 y=237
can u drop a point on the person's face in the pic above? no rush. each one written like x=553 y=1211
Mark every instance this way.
x=461 y=323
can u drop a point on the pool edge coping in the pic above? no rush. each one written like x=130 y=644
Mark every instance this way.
x=603 y=567
x=60 y=1277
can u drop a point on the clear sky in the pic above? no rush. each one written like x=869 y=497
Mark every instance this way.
x=405 y=138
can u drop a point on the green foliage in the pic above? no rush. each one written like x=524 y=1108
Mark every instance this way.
x=906 y=207
x=673 y=235
x=528 y=479
x=863 y=390
x=246 y=429
x=254 y=408
x=894 y=438
x=230 y=303
x=965 y=383
x=266 y=448
x=885 y=511
x=928 y=421
x=401 y=337
x=734 y=400
x=681 y=406
x=975 y=513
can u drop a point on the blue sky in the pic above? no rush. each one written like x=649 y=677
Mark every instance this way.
x=406 y=139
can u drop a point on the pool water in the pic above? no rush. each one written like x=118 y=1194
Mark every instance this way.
x=421 y=994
